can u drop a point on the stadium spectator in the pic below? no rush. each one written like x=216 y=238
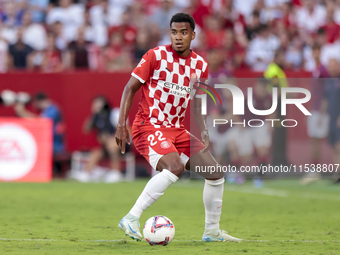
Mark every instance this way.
x=38 y=9
x=261 y=136
x=311 y=16
x=214 y=33
x=161 y=17
x=49 y=110
x=223 y=144
x=245 y=7
x=126 y=29
x=198 y=11
x=71 y=15
x=34 y=34
x=116 y=56
x=139 y=17
x=103 y=120
x=336 y=11
x=216 y=68
x=309 y=60
x=232 y=19
x=11 y=14
x=3 y=55
x=330 y=51
x=277 y=78
x=261 y=49
x=143 y=44
x=105 y=14
x=7 y=33
x=231 y=145
x=121 y=5
x=5 y=36
x=235 y=51
x=331 y=27
x=275 y=70
x=271 y=9
x=293 y=55
x=254 y=25
x=288 y=19
x=61 y=40
x=96 y=34
x=78 y=51
x=52 y=58
x=331 y=104
x=318 y=122
x=294 y=26
x=20 y=54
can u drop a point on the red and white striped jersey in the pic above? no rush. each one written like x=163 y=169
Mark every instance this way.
x=167 y=90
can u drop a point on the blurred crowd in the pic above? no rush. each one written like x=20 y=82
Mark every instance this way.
x=112 y=35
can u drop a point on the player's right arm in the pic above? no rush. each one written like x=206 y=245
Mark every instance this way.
x=140 y=75
x=122 y=134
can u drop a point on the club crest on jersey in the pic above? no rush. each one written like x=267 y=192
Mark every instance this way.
x=193 y=76
x=141 y=62
x=165 y=145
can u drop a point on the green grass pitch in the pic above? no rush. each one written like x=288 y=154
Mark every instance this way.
x=74 y=218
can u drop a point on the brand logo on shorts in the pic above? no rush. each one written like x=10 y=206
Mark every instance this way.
x=165 y=145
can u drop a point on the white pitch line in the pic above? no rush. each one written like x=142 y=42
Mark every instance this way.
x=176 y=240
x=262 y=191
x=279 y=193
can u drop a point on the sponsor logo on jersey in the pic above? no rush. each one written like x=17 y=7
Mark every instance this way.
x=178 y=90
x=165 y=145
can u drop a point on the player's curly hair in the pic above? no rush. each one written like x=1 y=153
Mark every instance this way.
x=183 y=17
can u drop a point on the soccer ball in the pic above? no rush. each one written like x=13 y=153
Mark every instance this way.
x=159 y=230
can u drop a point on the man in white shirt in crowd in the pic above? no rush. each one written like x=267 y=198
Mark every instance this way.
x=71 y=15
x=261 y=49
x=34 y=34
x=311 y=16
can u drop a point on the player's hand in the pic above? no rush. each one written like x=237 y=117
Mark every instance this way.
x=205 y=140
x=122 y=137
x=19 y=109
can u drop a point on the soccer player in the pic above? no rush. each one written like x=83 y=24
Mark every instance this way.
x=164 y=75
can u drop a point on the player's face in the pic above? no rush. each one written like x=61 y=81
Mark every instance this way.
x=181 y=37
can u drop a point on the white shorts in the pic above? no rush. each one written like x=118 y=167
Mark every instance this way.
x=314 y=129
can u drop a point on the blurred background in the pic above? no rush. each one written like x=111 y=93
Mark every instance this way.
x=68 y=61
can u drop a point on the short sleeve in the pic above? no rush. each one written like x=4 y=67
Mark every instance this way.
x=202 y=80
x=145 y=67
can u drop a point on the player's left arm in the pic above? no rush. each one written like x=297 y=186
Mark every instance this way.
x=201 y=123
x=21 y=111
x=199 y=117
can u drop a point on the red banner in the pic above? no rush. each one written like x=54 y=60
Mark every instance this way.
x=25 y=150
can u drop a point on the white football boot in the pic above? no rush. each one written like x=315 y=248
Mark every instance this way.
x=217 y=235
x=130 y=225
